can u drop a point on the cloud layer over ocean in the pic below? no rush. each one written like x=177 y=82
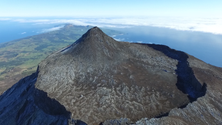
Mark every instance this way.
x=210 y=25
x=178 y=33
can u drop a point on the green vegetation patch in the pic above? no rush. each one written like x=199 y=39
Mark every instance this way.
x=27 y=53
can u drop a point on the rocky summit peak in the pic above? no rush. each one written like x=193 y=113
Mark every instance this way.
x=94 y=46
x=95 y=29
x=94 y=32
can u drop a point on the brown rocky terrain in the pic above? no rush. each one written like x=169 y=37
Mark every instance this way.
x=102 y=81
x=98 y=78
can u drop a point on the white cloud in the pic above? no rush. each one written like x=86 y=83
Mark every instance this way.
x=52 y=21
x=4 y=19
x=52 y=29
x=23 y=33
x=119 y=39
x=139 y=41
x=31 y=20
x=211 y=25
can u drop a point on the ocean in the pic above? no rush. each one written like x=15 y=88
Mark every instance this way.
x=205 y=46
x=11 y=30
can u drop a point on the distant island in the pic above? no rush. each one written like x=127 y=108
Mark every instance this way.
x=20 y=58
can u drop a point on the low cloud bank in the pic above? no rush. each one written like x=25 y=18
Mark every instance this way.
x=210 y=25
x=52 y=29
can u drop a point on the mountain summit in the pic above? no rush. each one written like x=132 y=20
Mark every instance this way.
x=97 y=79
x=93 y=45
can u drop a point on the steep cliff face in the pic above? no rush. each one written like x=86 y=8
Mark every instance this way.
x=100 y=80
x=23 y=104
x=206 y=110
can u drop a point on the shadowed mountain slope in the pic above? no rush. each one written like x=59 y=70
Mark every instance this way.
x=97 y=79
x=23 y=104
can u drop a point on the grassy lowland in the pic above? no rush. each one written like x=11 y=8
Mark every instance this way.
x=20 y=58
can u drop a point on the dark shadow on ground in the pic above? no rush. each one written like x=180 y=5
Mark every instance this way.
x=23 y=104
x=76 y=122
x=186 y=81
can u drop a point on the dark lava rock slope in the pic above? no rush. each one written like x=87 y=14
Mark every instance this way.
x=23 y=104
x=102 y=81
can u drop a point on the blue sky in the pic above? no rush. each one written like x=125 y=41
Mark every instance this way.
x=110 y=8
